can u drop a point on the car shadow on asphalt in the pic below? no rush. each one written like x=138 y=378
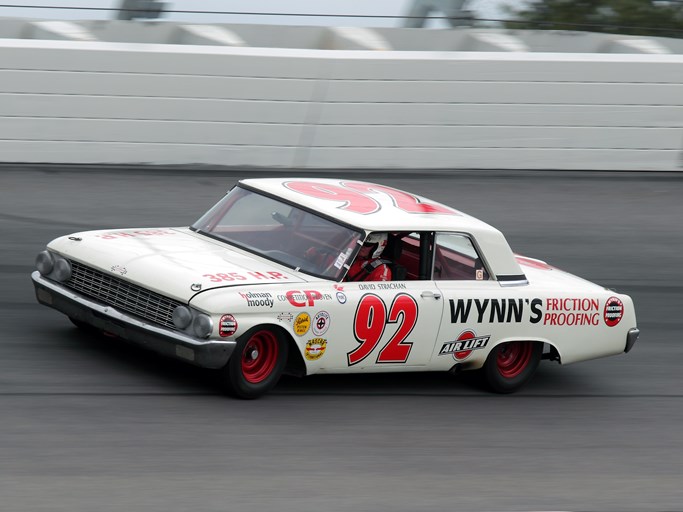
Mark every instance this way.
x=175 y=377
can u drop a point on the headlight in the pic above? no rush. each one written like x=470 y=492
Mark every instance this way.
x=182 y=317
x=202 y=326
x=44 y=263
x=62 y=270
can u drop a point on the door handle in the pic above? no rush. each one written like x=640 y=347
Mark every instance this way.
x=430 y=294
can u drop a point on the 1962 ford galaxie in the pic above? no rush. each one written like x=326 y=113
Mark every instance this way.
x=312 y=276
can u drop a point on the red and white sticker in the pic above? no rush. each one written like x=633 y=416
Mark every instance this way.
x=464 y=344
x=236 y=276
x=372 y=316
x=111 y=235
x=360 y=197
x=614 y=311
x=300 y=299
x=227 y=326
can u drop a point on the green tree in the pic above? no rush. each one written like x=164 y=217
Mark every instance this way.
x=638 y=17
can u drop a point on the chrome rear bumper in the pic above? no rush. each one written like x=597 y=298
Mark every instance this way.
x=631 y=338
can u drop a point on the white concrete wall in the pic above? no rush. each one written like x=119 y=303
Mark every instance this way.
x=123 y=103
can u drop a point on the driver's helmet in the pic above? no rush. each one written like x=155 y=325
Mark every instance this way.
x=379 y=240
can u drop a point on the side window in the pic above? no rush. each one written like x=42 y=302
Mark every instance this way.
x=411 y=253
x=404 y=251
x=455 y=258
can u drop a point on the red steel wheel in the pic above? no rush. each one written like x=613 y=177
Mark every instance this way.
x=259 y=356
x=257 y=362
x=514 y=357
x=511 y=365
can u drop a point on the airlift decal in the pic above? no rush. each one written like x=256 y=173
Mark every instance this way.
x=464 y=344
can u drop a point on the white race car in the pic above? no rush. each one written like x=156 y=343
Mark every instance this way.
x=262 y=284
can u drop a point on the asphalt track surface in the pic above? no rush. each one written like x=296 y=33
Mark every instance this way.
x=90 y=424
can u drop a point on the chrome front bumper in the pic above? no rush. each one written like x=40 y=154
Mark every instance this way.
x=207 y=354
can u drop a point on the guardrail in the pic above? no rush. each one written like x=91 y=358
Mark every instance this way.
x=80 y=102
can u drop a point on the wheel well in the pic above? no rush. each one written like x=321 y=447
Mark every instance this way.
x=295 y=363
x=551 y=353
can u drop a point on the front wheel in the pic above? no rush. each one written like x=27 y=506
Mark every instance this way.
x=256 y=364
x=511 y=365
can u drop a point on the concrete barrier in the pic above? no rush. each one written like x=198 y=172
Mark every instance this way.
x=87 y=102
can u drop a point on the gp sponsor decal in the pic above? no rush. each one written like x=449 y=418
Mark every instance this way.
x=258 y=299
x=315 y=348
x=285 y=317
x=140 y=233
x=370 y=321
x=301 y=299
x=321 y=322
x=359 y=197
x=614 y=311
x=236 y=276
x=302 y=323
x=466 y=342
x=554 y=312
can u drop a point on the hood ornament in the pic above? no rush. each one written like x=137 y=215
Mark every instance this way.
x=196 y=287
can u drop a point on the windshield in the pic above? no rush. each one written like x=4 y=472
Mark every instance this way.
x=281 y=232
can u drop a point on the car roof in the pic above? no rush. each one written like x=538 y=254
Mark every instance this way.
x=369 y=206
x=374 y=207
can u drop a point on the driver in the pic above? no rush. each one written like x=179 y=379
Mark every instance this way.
x=368 y=266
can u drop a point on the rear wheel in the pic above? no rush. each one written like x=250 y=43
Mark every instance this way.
x=256 y=364
x=511 y=365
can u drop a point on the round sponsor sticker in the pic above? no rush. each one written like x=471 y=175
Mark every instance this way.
x=341 y=297
x=315 y=349
x=614 y=311
x=302 y=322
x=227 y=326
x=321 y=322
x=465 y=335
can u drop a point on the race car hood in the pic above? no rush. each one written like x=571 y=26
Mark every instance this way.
x=174 y=262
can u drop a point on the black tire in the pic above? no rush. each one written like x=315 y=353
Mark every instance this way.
x=256 y=364
x=511 y=365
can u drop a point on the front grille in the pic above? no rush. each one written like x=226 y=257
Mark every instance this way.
x=122 y=295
